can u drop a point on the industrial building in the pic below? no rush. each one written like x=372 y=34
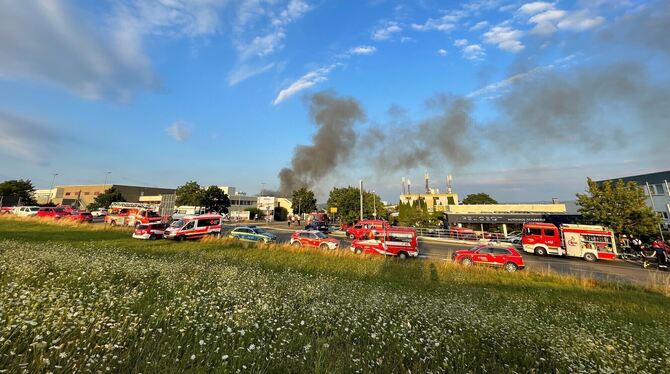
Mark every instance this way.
x=81 y=196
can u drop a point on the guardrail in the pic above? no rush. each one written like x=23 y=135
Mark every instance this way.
x=449 y=234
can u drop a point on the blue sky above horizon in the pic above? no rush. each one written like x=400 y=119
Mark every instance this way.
x=161 y=92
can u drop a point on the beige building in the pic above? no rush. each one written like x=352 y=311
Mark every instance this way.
x=436 y=202
x=44 y=196
x=82 y=195
x=268 y=203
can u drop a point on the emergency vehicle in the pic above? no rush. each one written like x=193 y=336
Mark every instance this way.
x=363 y=227
x=585 y=241
x=187 y=210
x=194 y=227
x=131 y=214
x=396 y=241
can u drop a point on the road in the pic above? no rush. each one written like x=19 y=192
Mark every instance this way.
x=616 y=271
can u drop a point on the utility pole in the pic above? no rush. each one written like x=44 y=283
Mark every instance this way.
x=361 y=194
x=374 y=203
x=53 y=180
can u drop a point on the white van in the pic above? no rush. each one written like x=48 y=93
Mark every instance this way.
x=194 y=227
x=26 y=211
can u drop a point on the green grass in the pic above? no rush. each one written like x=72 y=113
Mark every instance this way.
x=90 y=298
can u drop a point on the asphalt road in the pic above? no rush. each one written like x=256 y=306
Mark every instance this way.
x=617 y=270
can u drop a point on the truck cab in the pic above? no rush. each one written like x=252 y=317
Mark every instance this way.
x=362 y=228
x=541 y=239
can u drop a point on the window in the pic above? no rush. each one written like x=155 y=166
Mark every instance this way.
x=533 y=231
x=500 y=251
x=87 y=193
x=665 y=215
x=485 y=250
x=450 y=200
x=549 y=232
x=67 y=194
x=189 y=225
x=96 y=193
x=304 y=235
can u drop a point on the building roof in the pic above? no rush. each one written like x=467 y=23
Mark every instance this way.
x=651 y=178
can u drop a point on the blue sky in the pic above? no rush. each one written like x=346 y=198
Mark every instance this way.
x=161 y=92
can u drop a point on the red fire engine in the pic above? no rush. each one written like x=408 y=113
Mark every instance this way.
x=131 y=214
x=585 y=241
x=395 y=241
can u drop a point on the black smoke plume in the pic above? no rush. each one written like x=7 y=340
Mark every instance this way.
x=332 y=144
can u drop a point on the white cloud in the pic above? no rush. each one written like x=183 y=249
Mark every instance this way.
x=245 y=72
x=460 y=42
x=363 y=50
x=442 y=52
x=474 y=52
x=261 y=46
x=444 y=23
x=580 y=20
x=535 y=7
x=549 y=15
x=294 y=11
x=179 y=130
x=306 y=81
x=479 y=25
x=48 y=41
x=386 y=32
x=505 y=37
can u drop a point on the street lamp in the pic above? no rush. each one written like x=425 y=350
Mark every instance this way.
x=53 y=180
x=107 y=173
x=360 y=191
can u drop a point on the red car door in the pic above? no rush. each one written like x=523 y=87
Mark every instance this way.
x=499 y=256
x=483 y=256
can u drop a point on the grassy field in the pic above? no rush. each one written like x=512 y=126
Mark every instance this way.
x=84 y=298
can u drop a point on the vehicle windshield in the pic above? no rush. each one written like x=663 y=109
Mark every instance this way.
x=59 y=210
x=259 y=231
x=320 y=235
x=35 y=209
x=151 y=213
x=177 y=223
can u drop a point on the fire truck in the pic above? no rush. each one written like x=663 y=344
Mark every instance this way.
x=388 y=241
x=585 y=241
x=131 y=214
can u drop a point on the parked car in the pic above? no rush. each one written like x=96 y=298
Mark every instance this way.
x=150 y=231
x=363 y=228
x=317 y=225
x=51 y=212
x=313 y=238
x=26 y=211
x=99 y=212
x=81 y=216
x=514 y=238
x=395 y=241
x=490 y=255
x=194 y=227
x=252 y=234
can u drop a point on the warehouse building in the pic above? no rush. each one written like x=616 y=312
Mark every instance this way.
x=81 y=196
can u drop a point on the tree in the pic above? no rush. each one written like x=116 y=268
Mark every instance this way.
x=281 y=213
x=254 y=213
x=21 y=188
x=303 y=201
x=347 y=202
x=415 y=214
x=479 y=198
x=105 y=199
x=190 y=193
x=619 y=206
x=214 y=199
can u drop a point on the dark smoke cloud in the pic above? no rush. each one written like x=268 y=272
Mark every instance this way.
x=645 y=28
x=332 y=144
x=402 y=144
x=586 y=108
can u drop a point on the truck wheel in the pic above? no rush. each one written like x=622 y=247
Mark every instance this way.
x=324 y=246
x=180 y=238
x=540 y=251
x=358 y=251
x=351 y=236
x=511 y=267
x=152 y=237
x=402 y=256
x=590 y=257
x=467 y=262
